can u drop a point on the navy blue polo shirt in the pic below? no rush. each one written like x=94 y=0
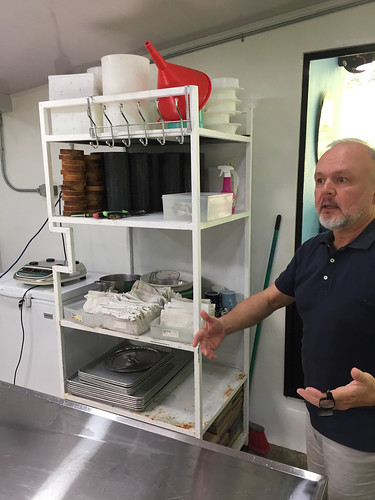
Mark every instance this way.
x=335 y=297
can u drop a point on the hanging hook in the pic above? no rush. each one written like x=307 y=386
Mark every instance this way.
x=110 y=143
x=162 y=140
x=180 y=139
x=127 y=141
x=92 y=127
x=141 y=140
x=187 y=100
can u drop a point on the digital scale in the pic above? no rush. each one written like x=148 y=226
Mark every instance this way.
x=40 y=272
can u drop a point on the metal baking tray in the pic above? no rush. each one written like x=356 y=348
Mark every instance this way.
x=117 y=395
x=97 y=371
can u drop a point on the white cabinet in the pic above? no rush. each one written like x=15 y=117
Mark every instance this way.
x=217 y=252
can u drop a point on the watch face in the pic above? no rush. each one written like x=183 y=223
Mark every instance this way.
x=326 y=404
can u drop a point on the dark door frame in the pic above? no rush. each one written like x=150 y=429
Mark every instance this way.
x=293 y=374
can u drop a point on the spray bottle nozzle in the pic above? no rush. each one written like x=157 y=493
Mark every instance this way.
x=225 y=169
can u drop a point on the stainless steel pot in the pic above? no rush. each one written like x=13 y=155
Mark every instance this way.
x=117 y=282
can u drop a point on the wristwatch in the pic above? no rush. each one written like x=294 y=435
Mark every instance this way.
x=327 y=404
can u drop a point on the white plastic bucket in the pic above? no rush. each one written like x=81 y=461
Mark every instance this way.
x=125 y=73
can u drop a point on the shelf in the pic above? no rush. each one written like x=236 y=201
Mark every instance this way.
x=103 y=137
x=201 y=391
x=153 y=134
x=176 y=409
x=145 y=337
x=150 y=221
x=112 y=134
x=222 y=136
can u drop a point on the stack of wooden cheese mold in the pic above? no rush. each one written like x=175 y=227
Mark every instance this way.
x=73 y=170
x=227 y=426
x=95 y=184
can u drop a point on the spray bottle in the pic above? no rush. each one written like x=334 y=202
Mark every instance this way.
x=228 y=171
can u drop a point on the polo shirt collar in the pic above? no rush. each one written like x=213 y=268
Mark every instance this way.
x=363 y=241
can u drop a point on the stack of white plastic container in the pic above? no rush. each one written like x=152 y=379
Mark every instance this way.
x=221 y=107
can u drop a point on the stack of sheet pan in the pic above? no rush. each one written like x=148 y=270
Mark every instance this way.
x=129 y=375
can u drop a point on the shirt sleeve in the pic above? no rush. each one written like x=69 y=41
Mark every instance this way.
x=285 y=283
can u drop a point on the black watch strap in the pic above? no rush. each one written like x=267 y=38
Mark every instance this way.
x=327 y=404
x=330 y=396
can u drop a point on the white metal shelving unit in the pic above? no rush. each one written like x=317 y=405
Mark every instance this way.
x=197 y=395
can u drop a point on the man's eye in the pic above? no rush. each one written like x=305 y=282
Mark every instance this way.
x=341 y=179
x=319 y=181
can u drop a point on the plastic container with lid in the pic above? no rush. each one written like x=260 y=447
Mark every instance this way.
x=222 y=106
x=225 y=83
x=74 y=312
x=178 y=206
x=226 y=128
x=212 y=118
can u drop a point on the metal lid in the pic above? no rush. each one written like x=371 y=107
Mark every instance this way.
x=132 y=359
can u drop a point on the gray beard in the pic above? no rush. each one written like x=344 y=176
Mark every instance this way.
x=338 y=223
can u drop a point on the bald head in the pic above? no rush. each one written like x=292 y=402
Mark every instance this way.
x=370 y=150
x=345 y=185
x=356 y=151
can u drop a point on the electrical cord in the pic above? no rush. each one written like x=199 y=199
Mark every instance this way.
x=3 y=169
x=35 y=235
x=22 y=301
x=20 y=305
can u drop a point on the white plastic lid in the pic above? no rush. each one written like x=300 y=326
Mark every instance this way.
x=225 y=83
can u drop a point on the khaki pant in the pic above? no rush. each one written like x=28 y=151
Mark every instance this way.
x=351 y=473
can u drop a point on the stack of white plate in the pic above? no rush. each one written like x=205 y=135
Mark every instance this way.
x=222 y=105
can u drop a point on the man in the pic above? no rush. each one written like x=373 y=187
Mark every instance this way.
x=332 y=280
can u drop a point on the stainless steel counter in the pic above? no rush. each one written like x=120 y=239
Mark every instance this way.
x=52 y=449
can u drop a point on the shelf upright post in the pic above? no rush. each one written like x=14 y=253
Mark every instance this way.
x=247 y=287
x=196 y=249
x=67 y=232
x=44 y=114
x=58 y=315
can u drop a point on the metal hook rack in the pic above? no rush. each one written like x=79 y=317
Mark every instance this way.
x=180 y=139
x=93 y=126
x=127 y=141
x=110 y=143
x=124 y=132
x=144 y=140
x=162 y=140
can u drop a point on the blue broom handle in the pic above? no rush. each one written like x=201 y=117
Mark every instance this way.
x=266 y=283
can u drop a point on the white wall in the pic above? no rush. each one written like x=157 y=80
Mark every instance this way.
x=269 y=67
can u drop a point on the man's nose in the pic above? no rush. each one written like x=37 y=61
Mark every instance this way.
x=328 y=187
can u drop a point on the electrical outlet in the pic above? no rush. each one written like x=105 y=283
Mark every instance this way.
x=42 y=190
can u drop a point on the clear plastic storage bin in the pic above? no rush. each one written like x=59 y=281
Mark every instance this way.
x=74 y=312
x=170 y=333
x=125 y=325
x=178 y=206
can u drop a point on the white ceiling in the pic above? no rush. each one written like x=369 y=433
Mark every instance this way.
x=48 y=37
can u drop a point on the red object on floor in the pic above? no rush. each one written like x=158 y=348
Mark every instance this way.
x=257 y=439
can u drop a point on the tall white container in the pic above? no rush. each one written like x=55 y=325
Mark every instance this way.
x=123 y=73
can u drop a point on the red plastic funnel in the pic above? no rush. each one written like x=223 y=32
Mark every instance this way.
x=173 y=75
